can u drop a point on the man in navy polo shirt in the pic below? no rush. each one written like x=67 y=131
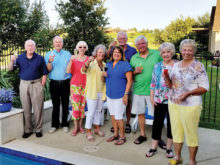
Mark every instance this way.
x=57 y=61
x=122 y=39
x=32 y=71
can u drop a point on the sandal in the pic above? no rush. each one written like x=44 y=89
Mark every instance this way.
x=82 y=131
x=151 y=152
x=112 y=138
x=140 y=140
x=90 y=137
x=74 y=133
x=162 y=144
x=99 y=132
x=120 y=141
x=128 y=128
x=174 y=162
x=169 y=153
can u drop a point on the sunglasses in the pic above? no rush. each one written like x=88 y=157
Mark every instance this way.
x=82 y=47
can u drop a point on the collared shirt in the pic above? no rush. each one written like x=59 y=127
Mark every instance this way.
x=129 y=52
x=59 y=64
x=31 y=69
x=142 y=80
x=116 y=80
x=94 y=83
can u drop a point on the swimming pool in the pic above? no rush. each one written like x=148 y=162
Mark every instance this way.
x=12 y=157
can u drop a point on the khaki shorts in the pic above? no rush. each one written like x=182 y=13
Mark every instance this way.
x=140 y=103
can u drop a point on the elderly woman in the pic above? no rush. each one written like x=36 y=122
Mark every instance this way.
x=118 y=84
x=77 y=86
x=188 y=80
x=159 y=98
x=95 y=91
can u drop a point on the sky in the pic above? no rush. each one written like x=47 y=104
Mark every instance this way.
x=144 y=14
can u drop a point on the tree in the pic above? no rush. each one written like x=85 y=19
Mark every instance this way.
x=83 y=20
x=203 y=21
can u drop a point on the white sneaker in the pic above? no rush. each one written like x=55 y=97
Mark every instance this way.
x=66 y=129
x=52 y=130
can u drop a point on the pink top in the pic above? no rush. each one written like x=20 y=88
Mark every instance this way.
x=77 y=77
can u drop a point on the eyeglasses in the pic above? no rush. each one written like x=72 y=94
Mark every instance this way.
x=82 y=47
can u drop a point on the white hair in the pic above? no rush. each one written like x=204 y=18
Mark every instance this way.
x=167 y=46
x=122 y=33
x=81 y=43
x=100 y=46
x=188 y=42
x=140 y=38
x=59 y=38
x=29 y=41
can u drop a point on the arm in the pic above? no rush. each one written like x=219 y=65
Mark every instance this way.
x=68 y=68
x=44 y=79
x=87 y=63
x=13 y=59
x=152 y=98
x=167 y=81
x=128 y=86
x=108 y=53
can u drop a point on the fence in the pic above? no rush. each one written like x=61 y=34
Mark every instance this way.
x=211 y=100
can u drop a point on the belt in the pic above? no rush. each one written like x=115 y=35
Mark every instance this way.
x=31 y=81
x=59 y=81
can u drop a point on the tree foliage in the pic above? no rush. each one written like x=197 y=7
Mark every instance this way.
x=83 y=20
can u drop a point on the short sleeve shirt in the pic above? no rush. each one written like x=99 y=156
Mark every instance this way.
x=186 y=79
x=142 y=80
x=31 y=69
x=116 y=80
x=59 y=64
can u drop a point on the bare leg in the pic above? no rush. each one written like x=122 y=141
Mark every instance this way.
x=141 y=120
x=154 y=144
x=120 y=124
x=80 y=123
x=114 y=126
x=75 y=125
x=192 y=154
x=178 y=148
x=169 y=143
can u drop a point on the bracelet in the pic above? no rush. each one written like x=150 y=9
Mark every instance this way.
x=126 y=93
x=86 y=66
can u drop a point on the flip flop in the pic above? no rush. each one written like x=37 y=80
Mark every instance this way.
x=90 y=137
x=169 y=153
x=151 y=152
x=120 y=141
x=112 y=138
x=140 y=140
x=100 y=133
x=174 y=162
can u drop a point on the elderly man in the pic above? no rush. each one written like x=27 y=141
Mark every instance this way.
x=57 y=61
x=122 y=39
x=143 y=64
x=32 y=71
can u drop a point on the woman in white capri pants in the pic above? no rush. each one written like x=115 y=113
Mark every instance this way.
x=95 y=91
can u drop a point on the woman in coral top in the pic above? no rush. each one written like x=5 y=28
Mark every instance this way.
x=77 y=86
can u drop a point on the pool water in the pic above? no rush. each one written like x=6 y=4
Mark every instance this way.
x=12 y=157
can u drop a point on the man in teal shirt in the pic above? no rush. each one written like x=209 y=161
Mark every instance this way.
x=143 y=64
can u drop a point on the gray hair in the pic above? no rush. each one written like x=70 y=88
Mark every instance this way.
x=30 y=41
x=188 y=42
x=59 y=38
x=140 y=38
x=81 y=43
x=167 y=46
x=97 y=47
x=122 y=33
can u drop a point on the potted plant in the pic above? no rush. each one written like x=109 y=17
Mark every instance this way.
x=6 y=97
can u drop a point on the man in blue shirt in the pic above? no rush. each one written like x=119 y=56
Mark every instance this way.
x=122 y=39
x=57 y=61
x=32 y=71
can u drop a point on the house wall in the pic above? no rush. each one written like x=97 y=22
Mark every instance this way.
x=214 y=41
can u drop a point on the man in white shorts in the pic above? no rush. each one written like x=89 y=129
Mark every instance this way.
x=143 y=64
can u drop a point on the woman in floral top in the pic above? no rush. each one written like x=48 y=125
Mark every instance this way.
x=188 y=81
x=159 y=98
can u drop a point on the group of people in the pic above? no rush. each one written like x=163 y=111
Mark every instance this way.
x=130 y=82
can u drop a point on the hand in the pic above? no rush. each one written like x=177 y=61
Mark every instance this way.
x=114 y=43
x=138 y=70
x=51 y=58
x=153 y=103
x=91 y=58
x=104 y=74
x=13 y=58
x=125 y=99
x=182 y=97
